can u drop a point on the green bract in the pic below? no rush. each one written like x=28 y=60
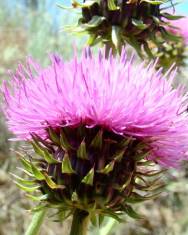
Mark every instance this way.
x=116 y=23
x=89 y=169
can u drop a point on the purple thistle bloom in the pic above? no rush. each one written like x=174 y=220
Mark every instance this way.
x=116 y=94
x=180 y=27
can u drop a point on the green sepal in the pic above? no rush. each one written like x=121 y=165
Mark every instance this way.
x=156 y=20
x=151 y=173
x=53 y=136
x=169 y=36
x=119 y=155
x=25 y=171
x=39 y=207
x=108 y=168
x=132 y=213
x=27 y=188
x=127 y=182
x=49 y=157
x=26 y=164
x=154 y=2
x=85 y=4
x=74 y=197
x=125 y=142
x=114 y=215
x=94 y=22
x=23 y=181
x=51 y=183
x=43 y=152
x=151 y=187
x=101 y=219
x=112 y=6
x=81 y=152
x=38 y=198
x=66 y=167
x=148 y=50
x=141 y=156
x=139 y=24
x=171 y=17
x=37 y=173
x=136 y=198
x=88 y=179
x=64 y=142
x=97 y=140
x=116 y=36
x=94 y=219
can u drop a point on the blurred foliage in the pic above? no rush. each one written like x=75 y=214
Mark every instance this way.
x=26 y=30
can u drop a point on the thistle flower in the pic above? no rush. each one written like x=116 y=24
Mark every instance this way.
x=180 y=27
x=94 y=124
x=116 y=23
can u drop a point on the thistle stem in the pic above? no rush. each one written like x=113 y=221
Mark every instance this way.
x=36 y=223
x=79 y=223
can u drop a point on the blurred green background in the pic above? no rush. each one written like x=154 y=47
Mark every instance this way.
x=33 y=27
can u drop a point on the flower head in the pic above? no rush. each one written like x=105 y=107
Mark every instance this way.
x=116 y=23
x=115 y=94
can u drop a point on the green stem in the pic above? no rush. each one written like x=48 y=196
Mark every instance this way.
x=36 y=223
x=79 y=223
x=108 y=227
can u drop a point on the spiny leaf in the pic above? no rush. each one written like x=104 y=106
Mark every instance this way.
x=97 y=140
x=81 y=152
x=64 y=142
x=66 y=167
x=53 y=136
x=27 y=188
x=88 y=179
x=108 y=168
